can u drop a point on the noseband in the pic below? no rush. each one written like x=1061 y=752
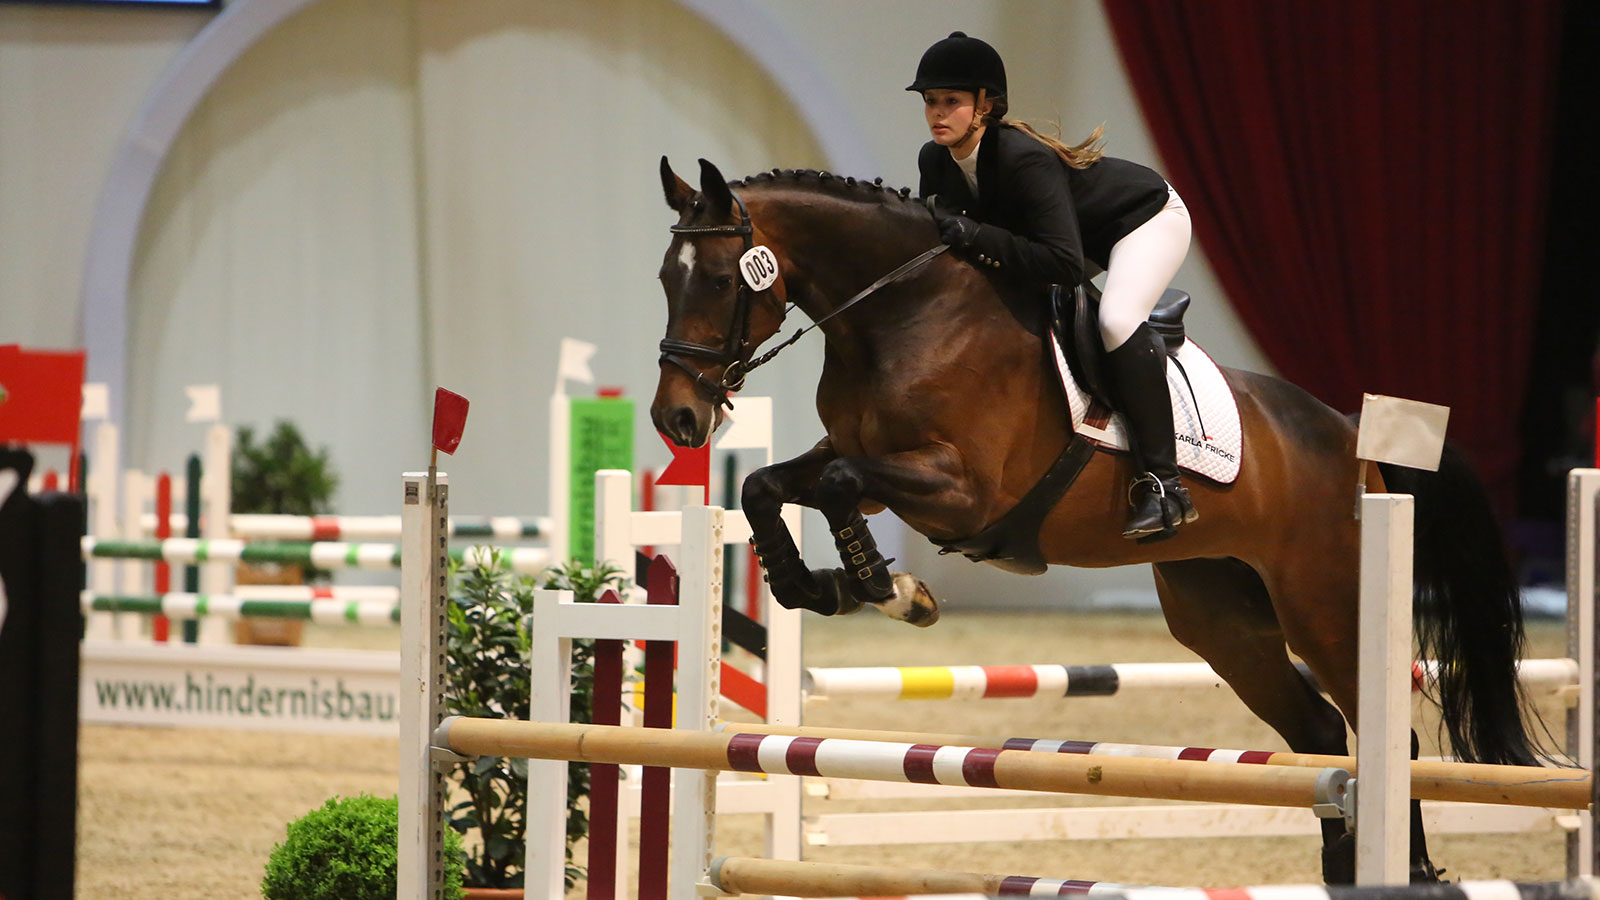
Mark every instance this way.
x=734 y=354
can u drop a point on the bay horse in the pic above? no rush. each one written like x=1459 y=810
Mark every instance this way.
x=941 y=403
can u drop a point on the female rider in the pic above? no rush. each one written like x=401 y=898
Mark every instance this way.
x=1033 y=208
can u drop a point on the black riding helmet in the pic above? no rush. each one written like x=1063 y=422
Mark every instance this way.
x=961 y=63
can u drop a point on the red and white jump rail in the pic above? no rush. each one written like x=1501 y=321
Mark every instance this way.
x=1169 y=779
x=257 y=527
x=1558 y=788
x=1031 y=681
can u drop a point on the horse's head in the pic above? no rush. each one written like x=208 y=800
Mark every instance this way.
x=724 y=298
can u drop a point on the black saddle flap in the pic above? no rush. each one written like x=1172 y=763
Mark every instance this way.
x=1076 y=318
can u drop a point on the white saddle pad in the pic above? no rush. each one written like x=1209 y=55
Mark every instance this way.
x=1213 y=453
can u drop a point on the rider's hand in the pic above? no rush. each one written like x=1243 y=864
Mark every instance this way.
x=958 y=231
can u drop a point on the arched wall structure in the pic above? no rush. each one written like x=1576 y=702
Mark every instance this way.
x=114 y=233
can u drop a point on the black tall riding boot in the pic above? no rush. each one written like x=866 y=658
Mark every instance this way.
x=1138 y=370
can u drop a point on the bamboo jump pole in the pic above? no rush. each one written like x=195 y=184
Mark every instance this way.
x=1160 y=779
x=1549 y=787
x=744 y=875
x=808 y=879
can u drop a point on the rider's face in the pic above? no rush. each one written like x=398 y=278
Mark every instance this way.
x=950 y=114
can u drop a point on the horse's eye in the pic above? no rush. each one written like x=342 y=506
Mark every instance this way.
x=724 y=282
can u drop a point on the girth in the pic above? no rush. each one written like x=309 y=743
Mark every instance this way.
x=1012 y=542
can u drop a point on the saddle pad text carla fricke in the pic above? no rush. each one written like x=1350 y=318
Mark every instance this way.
x=1214 y=454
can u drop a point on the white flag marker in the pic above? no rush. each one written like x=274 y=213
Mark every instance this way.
x=1403 y=432
x=205 y=403
x=574 y=363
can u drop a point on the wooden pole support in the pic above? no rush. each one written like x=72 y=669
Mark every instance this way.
x=1159 y=779
x=786 y=878
x=1549 y=787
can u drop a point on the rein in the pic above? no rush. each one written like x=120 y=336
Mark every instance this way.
x=735 y=352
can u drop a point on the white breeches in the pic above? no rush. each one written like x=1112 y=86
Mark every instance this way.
x=1140 y=268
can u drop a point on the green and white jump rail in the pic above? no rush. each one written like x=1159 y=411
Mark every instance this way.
x=256 y=527
x=319 y=554
x=230 y=606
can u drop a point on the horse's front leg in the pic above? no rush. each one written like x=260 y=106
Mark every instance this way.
x=765 y=491
x=827 y=591
x=923 y=481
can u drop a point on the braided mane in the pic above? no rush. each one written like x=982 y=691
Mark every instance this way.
x=839 y=186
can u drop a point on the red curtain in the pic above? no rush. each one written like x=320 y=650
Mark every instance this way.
x=1368 y=180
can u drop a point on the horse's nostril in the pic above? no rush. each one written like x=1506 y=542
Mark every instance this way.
x=683 y=425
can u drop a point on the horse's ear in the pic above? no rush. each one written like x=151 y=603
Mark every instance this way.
x=678 y=191
x=715 y=189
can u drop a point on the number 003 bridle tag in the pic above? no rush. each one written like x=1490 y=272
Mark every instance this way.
x=760 y=267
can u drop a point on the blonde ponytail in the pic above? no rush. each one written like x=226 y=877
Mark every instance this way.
x=1081 y=156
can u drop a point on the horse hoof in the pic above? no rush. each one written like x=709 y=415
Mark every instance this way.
x=912 y=601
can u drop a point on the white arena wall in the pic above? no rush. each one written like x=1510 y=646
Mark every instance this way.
x=377 y=196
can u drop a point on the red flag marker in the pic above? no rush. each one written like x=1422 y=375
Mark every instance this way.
x=690 y=465
x=41 y=394
x=449 y=420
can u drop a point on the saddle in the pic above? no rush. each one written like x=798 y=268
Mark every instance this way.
x=1012 y=542
x=1075 y=318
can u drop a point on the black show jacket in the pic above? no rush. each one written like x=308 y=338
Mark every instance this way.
x=1040 y=216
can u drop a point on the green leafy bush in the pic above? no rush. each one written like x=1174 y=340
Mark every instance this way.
x=487 y=677
x=346 y=850
x=281 y=474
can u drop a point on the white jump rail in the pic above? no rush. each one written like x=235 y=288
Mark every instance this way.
x=1040 y=681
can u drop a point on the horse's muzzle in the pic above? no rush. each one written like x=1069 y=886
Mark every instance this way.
x=682 y=424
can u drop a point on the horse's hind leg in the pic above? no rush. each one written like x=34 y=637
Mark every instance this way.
x=1220 y=609
x=1322 y=627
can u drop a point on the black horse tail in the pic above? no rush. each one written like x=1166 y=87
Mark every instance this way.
x=1467 y=612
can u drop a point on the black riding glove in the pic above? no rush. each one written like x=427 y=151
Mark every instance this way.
x=959 y=232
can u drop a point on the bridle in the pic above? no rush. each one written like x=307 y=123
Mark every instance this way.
x=734 y=354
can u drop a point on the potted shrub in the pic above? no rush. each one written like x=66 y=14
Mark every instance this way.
x=279 y=475
x=487 y=676
x=347 y=850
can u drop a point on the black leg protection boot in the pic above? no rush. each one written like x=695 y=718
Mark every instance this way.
x=1338 y=853
x=865 y=568
x=1138 y=371
x=792 y=583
